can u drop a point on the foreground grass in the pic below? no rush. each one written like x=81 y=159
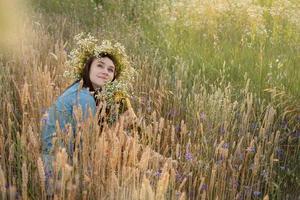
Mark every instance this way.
x=229 y=137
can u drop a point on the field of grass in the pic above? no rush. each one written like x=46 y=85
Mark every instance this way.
x=216 y=94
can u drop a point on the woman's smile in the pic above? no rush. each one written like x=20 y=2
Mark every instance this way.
x=102 y=77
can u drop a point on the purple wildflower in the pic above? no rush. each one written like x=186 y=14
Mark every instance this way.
x=48 y=174
x=253 y=126
x=179 y=177
x=188 y=156
x=251 y=149
x=284 y=124
x=202 y=116
x=44 y=119
x=280 y=153
x=191 y=194
x=235 y=183
x=18 y=195
x=296 y=134
x=172 y=113
x=264 y=173
x=256 y=194
x=158 y=173
x=239 y=197
x=178 y=128
x=238 y=116
x=225 y=146
x=204 y=187
x=222 y=130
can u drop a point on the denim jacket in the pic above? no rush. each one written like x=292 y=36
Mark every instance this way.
x=63 y=112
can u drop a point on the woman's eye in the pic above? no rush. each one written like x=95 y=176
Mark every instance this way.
x=100 y=66
x=111 y=70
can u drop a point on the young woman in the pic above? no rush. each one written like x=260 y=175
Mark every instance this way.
x=102 y=71
x=93 y=66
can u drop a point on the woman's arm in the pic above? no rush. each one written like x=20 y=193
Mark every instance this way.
x=63 y=113
x=60 y=113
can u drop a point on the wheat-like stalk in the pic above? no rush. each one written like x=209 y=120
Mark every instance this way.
x=41 y=172
x=2 y=183
x=201 y=130
x=146 y=191
x=24 y=181
x=163 y=183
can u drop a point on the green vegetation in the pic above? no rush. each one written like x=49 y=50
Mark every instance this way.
x=217 y=90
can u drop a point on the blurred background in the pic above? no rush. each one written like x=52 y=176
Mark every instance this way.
x=226 y=73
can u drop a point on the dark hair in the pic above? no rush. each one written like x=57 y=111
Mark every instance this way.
x=86 y=71
x=87 y=83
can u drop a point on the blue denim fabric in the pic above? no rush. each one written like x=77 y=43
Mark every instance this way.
x=62 y=111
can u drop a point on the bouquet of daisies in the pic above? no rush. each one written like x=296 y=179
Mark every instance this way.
x=115 y=97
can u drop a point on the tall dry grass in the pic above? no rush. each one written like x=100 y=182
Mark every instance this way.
x=189 y=143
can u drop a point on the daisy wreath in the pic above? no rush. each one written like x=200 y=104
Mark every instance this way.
x=87 y=46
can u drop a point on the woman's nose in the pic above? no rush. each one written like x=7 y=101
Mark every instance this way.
x=105 y=71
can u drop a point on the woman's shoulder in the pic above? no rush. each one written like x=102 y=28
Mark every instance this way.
x=71 y=90
x=68 y=96
x=80 y=97
x=75 y=93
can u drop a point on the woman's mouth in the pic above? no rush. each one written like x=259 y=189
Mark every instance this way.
x=102 y=77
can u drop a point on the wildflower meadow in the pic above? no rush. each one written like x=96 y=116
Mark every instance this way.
x=216 y=94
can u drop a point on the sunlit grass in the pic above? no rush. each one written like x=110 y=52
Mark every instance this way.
x=218 y=113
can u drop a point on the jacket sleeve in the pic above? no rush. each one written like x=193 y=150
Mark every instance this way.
x=61 y=111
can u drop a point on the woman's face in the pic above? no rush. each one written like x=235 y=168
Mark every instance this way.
x=102 y=71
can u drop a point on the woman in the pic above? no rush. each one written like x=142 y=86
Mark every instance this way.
x=94 y=67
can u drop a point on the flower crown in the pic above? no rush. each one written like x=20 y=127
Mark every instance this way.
x=87 y=47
